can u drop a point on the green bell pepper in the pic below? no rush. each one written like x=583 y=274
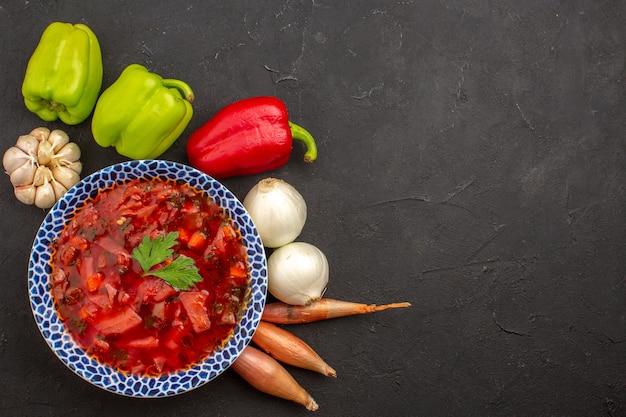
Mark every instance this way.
x=142 y=114
x=64 y=74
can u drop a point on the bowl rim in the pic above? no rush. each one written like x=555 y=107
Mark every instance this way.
x=60 y=340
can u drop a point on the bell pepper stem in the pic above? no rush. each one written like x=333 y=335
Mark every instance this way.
x=53 y=106
x=181 y=86
x=301 y=134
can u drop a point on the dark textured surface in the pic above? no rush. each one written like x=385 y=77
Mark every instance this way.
x=471 y=162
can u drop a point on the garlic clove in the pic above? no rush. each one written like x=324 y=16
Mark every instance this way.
x=45 y=152
x=58 y=139
x=66 y=176
x=76 y=166
x=40 y=133
x=44 y=196
x=69 y=153
x=25 y=193
x=43 y=174
x=58 y=188
x=29 y=144
x=13 y=158
x=24 y=174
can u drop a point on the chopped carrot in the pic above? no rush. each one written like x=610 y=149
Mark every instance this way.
x=325 y=308
x=229 y=232
x=238 y=270
x=94 y=281
x=290 y=349
x=183 y=235
x=267 y=375
x=196 y=241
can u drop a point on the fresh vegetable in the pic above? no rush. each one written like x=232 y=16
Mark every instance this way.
x=42 y=166
x=278 y=211
x=326 y=308
x=247 y=137
x=297 y=273
x=64 y=74
x=142 y=114
x=286 y=347
x=267 y=375
x=180 y=273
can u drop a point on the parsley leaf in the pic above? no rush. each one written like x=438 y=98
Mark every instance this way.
x=180 y=273
x=152 y=252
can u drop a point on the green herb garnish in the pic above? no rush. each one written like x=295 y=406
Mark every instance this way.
x=180 y=273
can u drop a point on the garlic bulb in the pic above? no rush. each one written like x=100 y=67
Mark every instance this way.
x=42 y=166
x=297 y=273
x=278 y=211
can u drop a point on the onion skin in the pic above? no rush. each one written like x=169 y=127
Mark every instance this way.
x=278 y=211
x=290 y=349
x=324 y=309
x=297 y=273
x=267 y=375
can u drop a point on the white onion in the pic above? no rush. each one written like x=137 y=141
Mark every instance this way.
x=278 y=211
x=297 y=273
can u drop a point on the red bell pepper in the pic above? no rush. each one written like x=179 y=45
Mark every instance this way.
x=247 y=137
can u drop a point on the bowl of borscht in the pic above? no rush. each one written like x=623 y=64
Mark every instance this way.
x=147 y=278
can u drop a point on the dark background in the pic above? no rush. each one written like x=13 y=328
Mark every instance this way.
x=471 y=161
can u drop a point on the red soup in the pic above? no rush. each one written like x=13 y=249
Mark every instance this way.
x=135 y=321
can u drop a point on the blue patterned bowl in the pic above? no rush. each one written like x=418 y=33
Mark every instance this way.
x=61 y=341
